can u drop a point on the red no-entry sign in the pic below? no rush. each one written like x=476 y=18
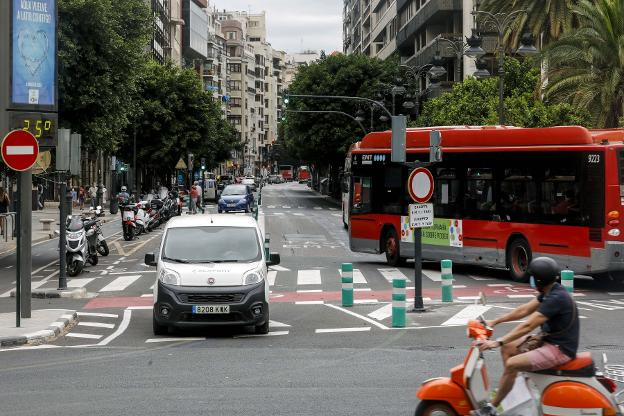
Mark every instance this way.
x=420 y=185
x=20 y=150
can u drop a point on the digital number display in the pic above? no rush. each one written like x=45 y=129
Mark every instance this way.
x=42 y=126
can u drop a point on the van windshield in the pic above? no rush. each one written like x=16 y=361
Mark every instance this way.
x=211 y=245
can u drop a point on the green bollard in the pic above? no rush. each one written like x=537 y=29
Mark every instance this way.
x=347 y=284
x=398 y=303
x=567 y=280
x=447 y=280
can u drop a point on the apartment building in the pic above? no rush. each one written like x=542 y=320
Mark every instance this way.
x=166 y=41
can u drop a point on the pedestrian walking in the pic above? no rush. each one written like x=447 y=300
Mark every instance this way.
x=4 y=208
x=200 y=196
x=93 y=194
x=81 y=197
x=74 y=197
x=193 y=199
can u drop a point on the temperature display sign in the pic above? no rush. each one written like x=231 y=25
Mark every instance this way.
x=43 y=126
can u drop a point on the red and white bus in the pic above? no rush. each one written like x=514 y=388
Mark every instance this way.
x=503 y=195
x=303 y=174
x=287 y=172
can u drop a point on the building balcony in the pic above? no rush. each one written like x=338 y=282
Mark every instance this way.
x=425 y=55
x=438 y=10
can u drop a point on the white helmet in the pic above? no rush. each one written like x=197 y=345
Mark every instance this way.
x=124 y=189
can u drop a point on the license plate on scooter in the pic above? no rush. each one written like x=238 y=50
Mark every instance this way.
x=128 y=216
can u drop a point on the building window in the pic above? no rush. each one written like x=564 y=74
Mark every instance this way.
x=231 y=35
x=235 y=68
x=254 y=39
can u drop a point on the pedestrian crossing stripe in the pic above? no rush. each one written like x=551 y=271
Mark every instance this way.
x=392 y=273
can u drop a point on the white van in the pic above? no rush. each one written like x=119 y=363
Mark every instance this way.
x=210 y=190
x=211 y=270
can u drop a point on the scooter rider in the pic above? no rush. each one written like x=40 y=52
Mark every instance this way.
x=555 y=312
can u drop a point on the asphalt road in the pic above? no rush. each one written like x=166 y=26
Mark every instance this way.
x=319 y=358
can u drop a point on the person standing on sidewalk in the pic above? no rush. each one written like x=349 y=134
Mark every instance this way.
x=81 y=197
x=193 y=199
x=4 y=208
x=200 y=196
x=74 y=196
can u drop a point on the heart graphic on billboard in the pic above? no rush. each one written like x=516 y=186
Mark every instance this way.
x=33 y=48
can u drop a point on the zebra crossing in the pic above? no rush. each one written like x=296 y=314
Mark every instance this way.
x=316 y=208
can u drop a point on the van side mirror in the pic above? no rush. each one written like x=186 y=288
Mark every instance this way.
x=274 y=259
x=150 y=259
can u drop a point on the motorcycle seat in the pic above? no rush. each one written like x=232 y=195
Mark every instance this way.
x=581 y=366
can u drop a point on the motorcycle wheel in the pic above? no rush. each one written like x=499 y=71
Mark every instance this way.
x=93 y=260
x=102 y=249
x=429 y=408
x=74 y=268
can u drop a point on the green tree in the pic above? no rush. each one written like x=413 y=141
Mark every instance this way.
x=586 y=68
x=548 y=20
x=101 y=52
x=176 y=117
x=323 y=139
x=475 y=102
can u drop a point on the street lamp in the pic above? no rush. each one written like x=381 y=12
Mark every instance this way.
x=501 y=23
x=357 y=119
x=415 y=73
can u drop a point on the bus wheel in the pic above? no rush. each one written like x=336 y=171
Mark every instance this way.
x=518 y=258
x=391 y=247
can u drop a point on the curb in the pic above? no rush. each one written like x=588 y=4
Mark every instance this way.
x=52 y=332
x=77 y=293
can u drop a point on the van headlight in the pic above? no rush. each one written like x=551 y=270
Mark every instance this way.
x=169 y=277
x=253 y=277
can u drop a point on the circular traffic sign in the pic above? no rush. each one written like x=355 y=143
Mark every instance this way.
x=420 y=185
x=20 y=150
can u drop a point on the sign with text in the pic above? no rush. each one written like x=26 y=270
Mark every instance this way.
x=444 y=232
x=421 y=215
x=33 y=72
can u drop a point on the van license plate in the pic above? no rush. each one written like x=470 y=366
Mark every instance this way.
x=200 y=309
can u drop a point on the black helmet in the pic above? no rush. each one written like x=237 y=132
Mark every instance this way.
x=544 y=270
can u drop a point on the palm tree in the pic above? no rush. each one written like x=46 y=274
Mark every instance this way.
x=545 y=19
x=586 y=68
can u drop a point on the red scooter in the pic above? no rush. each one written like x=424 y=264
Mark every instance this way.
x=574 y=388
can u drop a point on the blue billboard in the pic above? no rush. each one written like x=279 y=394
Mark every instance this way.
x=33 y=52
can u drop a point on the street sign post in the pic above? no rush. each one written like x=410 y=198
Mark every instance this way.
x=420 y=188
x=19 y=151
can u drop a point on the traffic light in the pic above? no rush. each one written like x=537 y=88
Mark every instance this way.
x=203 y=163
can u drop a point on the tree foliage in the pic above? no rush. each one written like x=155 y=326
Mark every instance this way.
x=176 y=117
x=476 y=101
x=325 y=138
x=101 y=50
x=586 y=68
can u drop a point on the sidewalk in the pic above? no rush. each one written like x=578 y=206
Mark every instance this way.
x=44 y=326
x=51 y=211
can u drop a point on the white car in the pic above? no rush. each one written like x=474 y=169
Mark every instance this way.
x=211 y=270
x=251 y=182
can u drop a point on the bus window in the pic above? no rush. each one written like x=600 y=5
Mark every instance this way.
x=517 y=199
x=361 y=194
x=446 y=192
x=392 y=192
x=560 y=195
x=478 y=198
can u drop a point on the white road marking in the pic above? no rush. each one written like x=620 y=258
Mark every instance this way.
x=134 y=271
x=125 y=321
x=270 y=334
x=434 y=275
x=318 y=208
x=31 y=347
x=520 y=296
x=499 y=284
x=79 y=282
x=390 y=274
x=99 y=315
x=469 y=297
x=459 y=287
x=362 y=289
x=615 y=293
x=334 y=330
x=358 y=277
x=279 y=268
x=382 y=313
x=278 y=213
x=276 y=324
x=336 y=215
x=271 y=206
x=147 y=295
x=480 y=278
x=120 y=283
x=308 y=277
x=298 y=214
x=310 y=302
x=365 y=301
x=81 y=335
x=357 y=315
x=97 y=325
x=8 y=267
x=333 y=209
x=152 y=340
x=469 y=312
x=310 y=291
x=285 y=207
x=271 y=275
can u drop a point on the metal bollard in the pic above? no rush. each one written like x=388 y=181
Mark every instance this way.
x=260 y=197
x=398 y=303
x=347 y=284
x=447 y=280
x=567 y=280
x=267 y=240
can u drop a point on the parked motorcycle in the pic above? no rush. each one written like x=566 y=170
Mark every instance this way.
x=101 y=245
x=80 y=244
x=575 y=387
x=128 y=222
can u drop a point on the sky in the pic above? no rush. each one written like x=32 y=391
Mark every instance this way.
x=296 y=25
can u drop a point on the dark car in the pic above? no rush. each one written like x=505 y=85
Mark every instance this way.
x=236 y=198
